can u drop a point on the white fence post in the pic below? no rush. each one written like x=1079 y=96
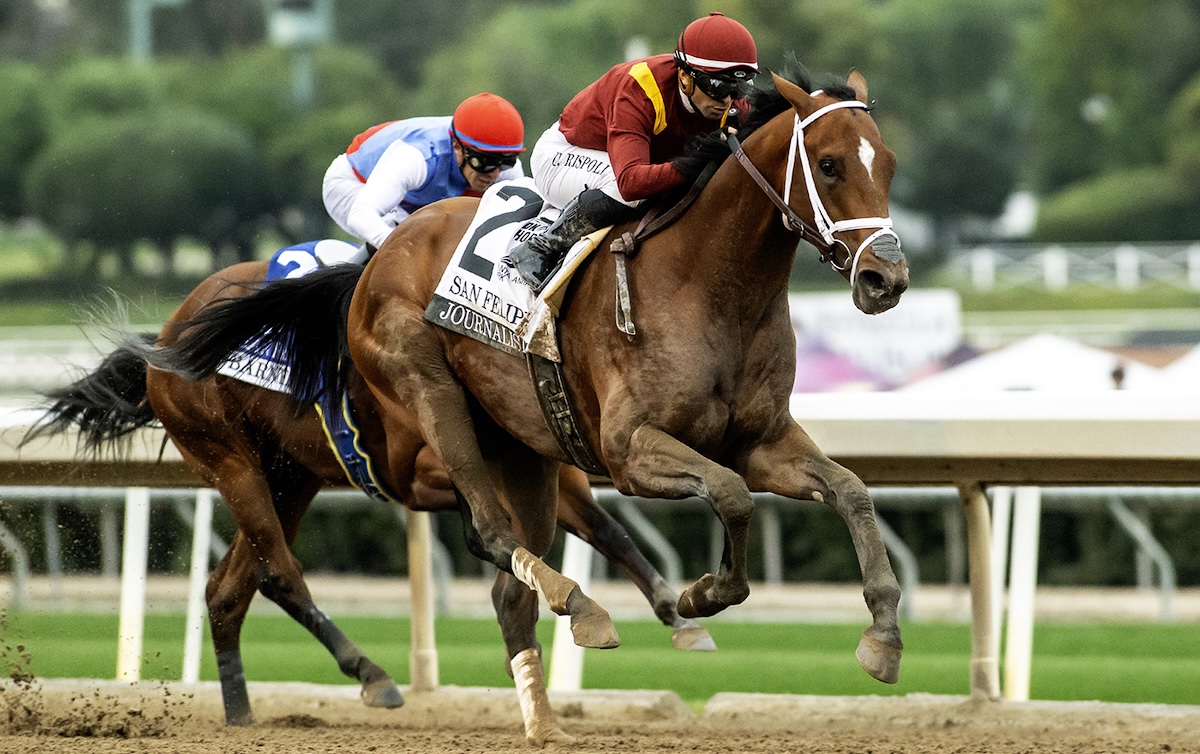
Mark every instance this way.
x=983 y=269
x=1055 y=268
x=423 y=657
x=197 y=579
x=566 y=658
x=1018 y=640
x=1001 y=525
x=1193 y=266
x=1126 y=260
x=133 y=583
x=984 y=668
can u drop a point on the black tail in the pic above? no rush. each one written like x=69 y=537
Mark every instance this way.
x=106 y=405
x=303 y=318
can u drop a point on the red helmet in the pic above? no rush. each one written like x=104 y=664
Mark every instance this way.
x=717 y=43
x=488 y=123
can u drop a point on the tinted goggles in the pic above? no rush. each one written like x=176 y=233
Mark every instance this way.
x=486 y=162
x=720 y=87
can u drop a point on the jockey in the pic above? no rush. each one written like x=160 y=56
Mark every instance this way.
x=392 y=169
x=613 y=144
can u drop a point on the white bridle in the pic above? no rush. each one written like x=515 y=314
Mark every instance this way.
x=826 y=226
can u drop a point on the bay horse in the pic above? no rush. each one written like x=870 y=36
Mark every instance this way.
x=268 y=456
x=695 y=404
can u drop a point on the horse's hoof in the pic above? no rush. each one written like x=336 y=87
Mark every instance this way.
x=552 y=737
x=881 y=661
x=695 y=601
x=694 y=638
x=382 y=693
x=240 y=719
x=595 y=630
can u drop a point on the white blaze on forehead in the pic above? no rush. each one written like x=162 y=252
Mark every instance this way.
x=866 y=153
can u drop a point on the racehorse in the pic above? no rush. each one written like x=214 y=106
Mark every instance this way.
x=695 y=404
x=268 y=456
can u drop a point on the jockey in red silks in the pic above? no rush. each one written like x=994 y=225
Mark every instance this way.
x=392 y=169
x=613 y=144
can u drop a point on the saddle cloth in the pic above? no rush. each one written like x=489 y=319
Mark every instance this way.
x=269 y=369
x=481 y=297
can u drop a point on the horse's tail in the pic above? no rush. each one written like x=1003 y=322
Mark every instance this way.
x=303 y=320
x=106 y=405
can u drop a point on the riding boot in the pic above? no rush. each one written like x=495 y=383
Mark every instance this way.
x=538 y=258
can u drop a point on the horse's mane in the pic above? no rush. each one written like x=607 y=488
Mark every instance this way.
x=765 y=104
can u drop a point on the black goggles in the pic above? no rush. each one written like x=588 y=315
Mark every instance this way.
x=486 y=162
x=721 y=87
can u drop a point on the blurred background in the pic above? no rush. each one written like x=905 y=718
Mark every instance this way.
x=1048 y=178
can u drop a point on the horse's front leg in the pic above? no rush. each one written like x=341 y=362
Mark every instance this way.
x=658 y=465
x=795 y=467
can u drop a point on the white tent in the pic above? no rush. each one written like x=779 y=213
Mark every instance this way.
x=1041 y=362
x=1183 y=374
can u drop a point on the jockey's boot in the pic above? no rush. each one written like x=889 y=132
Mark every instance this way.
x=537 y=259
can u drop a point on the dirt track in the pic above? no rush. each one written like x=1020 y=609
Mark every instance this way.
x=68 y=716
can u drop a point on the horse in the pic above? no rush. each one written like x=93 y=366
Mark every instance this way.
x=268 y=456
x=695 y=402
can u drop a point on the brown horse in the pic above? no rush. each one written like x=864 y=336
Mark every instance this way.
x=268 y=456
x=696 y=404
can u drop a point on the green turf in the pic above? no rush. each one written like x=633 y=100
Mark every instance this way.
x=1108 y=662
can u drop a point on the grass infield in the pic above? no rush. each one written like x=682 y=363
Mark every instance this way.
x=1105 y=662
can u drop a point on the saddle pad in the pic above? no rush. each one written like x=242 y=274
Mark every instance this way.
x=270 y=368
x=266 y=368
x=342 y=434
x=481 y=297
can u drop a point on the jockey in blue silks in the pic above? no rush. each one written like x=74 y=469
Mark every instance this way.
x=393 y=169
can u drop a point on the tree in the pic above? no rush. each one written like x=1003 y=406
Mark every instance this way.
x=1144 y=203
x=950 y=110
x=103 y=87
x=1183 y=122
x=154 y=177
x=1098 y=75
x=538 y=73
x=22 y=130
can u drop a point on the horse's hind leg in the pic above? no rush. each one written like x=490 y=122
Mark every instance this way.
x=261 y=560
x=230 y=589
x=581 y=515
x=291 y=503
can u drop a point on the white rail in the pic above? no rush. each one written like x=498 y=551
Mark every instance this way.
x=1124 y=266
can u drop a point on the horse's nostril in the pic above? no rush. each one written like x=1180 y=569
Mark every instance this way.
x=872 y=281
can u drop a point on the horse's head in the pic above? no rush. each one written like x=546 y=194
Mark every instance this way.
x=843 y=178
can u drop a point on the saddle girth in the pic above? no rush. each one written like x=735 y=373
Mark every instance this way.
x=560 y=417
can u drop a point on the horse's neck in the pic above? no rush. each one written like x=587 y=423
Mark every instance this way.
x=743 y=235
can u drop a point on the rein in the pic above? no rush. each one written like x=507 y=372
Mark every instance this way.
x=822 y=237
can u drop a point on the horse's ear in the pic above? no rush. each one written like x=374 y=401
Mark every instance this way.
x=858 y=83
x=793 y=93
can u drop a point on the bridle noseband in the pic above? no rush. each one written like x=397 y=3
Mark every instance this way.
x=822 y=237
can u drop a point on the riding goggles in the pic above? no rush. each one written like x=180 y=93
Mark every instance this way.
x=486 y=162
x=720 y=87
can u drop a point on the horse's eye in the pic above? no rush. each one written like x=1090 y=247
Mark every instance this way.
x=828 y=166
